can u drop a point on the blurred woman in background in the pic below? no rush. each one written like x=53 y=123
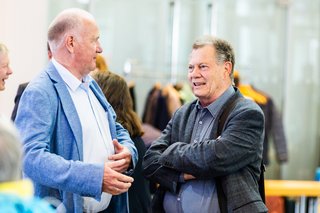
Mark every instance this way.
x=116 y=90
x=5 y=69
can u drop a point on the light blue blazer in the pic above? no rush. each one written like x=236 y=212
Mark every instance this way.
x=52 y=137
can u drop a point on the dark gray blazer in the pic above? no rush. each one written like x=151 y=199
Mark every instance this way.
x=235 y=156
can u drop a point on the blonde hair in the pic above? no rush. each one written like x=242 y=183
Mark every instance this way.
x=101 y=64
x=3 y=49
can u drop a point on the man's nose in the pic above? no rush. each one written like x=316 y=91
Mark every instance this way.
x=99 y=49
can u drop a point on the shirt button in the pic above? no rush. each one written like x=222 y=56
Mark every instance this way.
x=200 y=122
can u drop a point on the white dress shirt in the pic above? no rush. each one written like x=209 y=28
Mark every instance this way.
x=97 y=141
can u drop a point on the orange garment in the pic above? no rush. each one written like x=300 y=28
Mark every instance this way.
x=248 y=91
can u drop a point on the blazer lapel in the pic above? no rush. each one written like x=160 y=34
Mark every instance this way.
x=67 y=106
x=190 y=123
x=98 y=93
x=102 y=99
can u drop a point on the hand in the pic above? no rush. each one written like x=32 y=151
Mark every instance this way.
x=121 y=153
x=114 y=182
x=188 y=177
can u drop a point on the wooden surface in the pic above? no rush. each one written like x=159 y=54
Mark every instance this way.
x=292 y=188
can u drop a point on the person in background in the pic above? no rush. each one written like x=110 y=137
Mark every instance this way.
x=16 y=195
x=20 y=90
x=75 y=151
x=22 y=87
x=116 y=90
x=101 y=64
x=189 y=161
x=5 y=69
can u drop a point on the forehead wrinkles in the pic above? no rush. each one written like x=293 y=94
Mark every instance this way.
x=201 y=57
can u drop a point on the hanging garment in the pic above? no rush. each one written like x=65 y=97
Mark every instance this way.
x=273 y=123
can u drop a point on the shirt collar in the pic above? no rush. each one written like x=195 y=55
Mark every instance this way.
x=72 y=82
x=215 y=106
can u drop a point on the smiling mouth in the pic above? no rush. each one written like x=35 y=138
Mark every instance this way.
x=198 y=84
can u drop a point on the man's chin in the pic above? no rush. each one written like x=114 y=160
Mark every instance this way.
x=198 y=95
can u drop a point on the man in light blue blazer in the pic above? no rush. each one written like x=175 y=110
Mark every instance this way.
x=75 y=151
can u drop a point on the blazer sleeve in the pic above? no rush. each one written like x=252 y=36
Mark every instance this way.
x=156 y=171
x=239 y=145
x=125 y=140
x=35 y=121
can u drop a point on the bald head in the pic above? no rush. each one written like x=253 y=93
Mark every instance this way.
x=68 y=21
x=73 y=38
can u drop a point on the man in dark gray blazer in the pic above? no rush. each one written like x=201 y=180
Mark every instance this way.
x=188 y=160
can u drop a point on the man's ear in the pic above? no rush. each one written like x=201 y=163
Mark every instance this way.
x=227 y=68
x=70 y=43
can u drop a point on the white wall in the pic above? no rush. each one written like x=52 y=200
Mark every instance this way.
x=23 y=27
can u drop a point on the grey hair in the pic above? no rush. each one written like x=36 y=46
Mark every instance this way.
x=3 y=49
x=67 y=21
x=223 y=48
x=10 y=151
